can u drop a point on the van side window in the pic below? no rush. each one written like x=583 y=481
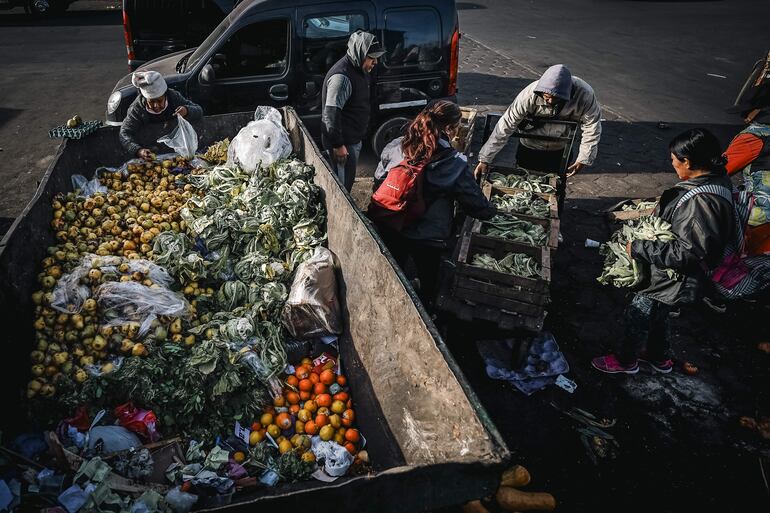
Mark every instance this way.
x=325 y=39
x=259 y=49
x=412 y=38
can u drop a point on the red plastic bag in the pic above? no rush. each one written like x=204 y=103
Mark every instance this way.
x=80 y=420
x=141 y=422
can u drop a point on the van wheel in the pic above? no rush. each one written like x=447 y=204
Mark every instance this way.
x=387 y=131
x=38 y=7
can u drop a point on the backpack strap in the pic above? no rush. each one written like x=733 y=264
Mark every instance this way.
x=718 y=190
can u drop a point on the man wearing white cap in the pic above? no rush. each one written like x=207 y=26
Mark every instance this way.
x=156 y=103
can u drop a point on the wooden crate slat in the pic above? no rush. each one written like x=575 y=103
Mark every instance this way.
x=501 y=278
x=506 y=291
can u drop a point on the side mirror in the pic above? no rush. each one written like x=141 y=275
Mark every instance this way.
x=207 y=75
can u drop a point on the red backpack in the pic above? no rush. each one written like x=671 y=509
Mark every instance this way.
x=398 y=201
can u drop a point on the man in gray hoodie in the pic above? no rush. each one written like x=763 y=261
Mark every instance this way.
x=557 y=95
x=346 y=105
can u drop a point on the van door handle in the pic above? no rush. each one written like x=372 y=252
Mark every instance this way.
x=279 y=92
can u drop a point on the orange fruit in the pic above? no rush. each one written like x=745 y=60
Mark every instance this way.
x=292 y=397
x=326 y=433
x=310 y=406
x=341 y=396
x=338 y=407
x=301 y=372
x=348 y=417
x=323 y=400
x=336 y=421
x=308 y=457
x=323 y=411
x=285 y=446
x=239 y=456
x=339 y=437
x=279 y=401
x=304 y=415
x=266 y=419
x=321 y=420
x=256 y=426
x=294 y=408
x=186 y=486
x=351 y=448
x=299 y=427
x=292 y=381
x=350 y=403
x=319 y=388
x=342 y=380
x=256 y=436
x=314 y=378
x=307 y=361
x=352 y=435
x=305 y=385
x=305 y=396
x=270 y=410
x=273 y=431
x=327 y=377
x=310 y=428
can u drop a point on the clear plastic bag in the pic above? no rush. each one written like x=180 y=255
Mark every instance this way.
x=87 y=187
x=131 y=302
x=261 y=142
x=312 y=309
x=70 y=293
x=182 y=139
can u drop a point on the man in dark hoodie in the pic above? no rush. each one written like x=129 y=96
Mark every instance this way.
x=155 y=103
x=556 y=95
x=346 y=105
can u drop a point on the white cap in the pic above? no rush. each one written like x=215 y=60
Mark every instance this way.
x=150 y=83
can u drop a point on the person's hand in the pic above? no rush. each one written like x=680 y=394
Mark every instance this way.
x=481 y=169
x=574 y=168
x=144 y=153
x=628 y=248
x=341 y=153
x=182 y=111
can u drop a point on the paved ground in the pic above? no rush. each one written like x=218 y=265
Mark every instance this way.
x=681 y=448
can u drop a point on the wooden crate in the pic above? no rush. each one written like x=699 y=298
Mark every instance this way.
x=551 y=223
x=462 y=141
x=616 y=213
x=473 y=294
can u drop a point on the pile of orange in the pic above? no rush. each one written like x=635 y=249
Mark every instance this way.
x=313 y=402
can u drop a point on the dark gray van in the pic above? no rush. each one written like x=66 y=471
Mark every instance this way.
x=277 y=52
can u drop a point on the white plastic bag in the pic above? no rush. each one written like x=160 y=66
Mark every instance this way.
x=131 y=302
x=312 y=309
x=87 y=187
x=182 y=139
x=261 y=142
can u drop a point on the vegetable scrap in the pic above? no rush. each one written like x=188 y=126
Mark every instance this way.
x=620 y=270
x=521 y=203
x=517 y=264
x=527 y=181
x=509 y=227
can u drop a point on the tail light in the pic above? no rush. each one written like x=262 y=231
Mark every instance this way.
x=128 y=36
x=454 y=62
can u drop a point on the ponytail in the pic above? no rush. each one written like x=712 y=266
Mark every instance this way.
x=422 y=135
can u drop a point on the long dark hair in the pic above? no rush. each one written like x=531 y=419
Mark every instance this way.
x=422 y=134
x=701 y=148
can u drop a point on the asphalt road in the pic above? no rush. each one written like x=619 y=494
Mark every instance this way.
x=677 y=61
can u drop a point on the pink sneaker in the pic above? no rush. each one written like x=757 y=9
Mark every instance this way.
x=611 y=365
x=664 y=366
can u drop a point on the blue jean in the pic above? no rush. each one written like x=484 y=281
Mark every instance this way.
x=347 y=171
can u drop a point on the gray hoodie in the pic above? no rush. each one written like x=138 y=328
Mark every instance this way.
x=581 y=106
x=340 y=88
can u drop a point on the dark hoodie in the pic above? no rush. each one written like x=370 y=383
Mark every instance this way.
x=447 y=178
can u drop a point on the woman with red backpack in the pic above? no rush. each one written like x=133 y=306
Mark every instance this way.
x=419 y=178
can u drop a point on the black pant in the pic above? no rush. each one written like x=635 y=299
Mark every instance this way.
x=426 y=259
x=545 y=162
x=647 y=328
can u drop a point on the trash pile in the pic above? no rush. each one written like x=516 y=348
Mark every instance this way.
x=620 y=270
x=186 y=336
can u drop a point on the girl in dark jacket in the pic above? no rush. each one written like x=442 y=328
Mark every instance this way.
x=702 y=215
x=446 y=179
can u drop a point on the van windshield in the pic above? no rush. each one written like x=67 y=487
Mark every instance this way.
x=199 y=52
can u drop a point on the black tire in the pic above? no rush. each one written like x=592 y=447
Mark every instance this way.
x=387 y=131
x=38 y=8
